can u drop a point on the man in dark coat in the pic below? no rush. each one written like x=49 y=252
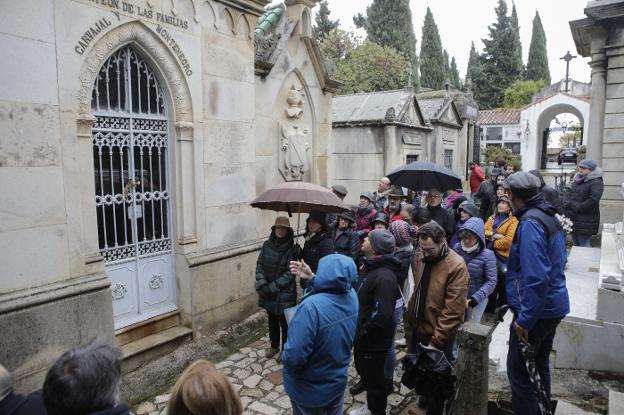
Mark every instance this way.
x=378 y=293
x=486 y=194
x=583 y=204
x=550 y=195
x=440 y=215
x=536 y=288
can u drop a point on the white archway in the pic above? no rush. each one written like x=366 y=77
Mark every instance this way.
x=537 y=116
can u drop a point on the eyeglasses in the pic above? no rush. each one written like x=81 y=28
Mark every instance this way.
x=434 y=196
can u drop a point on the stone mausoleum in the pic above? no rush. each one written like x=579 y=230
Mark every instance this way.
x=135 y=134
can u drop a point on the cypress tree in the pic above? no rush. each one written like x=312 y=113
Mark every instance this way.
x=500 y=68
x=322 y=23
x=447 y=67
x=432 y=65
x=537 y=65
x=389 y=23
x=517 y=44
x=473 y=65
x=454 y=75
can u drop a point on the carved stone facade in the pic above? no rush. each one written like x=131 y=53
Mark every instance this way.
x=230 y=134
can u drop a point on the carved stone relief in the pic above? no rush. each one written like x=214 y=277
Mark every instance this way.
x=295 y=140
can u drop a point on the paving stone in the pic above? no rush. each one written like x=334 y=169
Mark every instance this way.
x=395 y=399
x=257 y=344
x=283 y=402
x=276 y=378
x=245 y=400
x=145 y=408
x=245 y=350
x=271 y=396
x=279 y=389
x=162 y=399
x=256 y=368
x=254 y=393
x=252 y=381
x=244 y=363
x=223 y=364
x=253 y=354
x=269 y=363
x=227 y=371
x=265 y=372
x=236 y=357
x=241 y=374
x=237 y=387
x=262 y=408
x=265 y=385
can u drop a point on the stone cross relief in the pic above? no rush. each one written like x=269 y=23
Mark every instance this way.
x=294 y=138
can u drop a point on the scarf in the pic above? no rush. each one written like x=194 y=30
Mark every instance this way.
x=578 y=179
x=364 y=210
x=469 y=250
x=499 y=219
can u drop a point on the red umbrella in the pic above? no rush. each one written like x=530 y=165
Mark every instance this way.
x=299 y=197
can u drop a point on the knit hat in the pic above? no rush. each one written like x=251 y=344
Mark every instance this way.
x=588 y=164
x=403 y=232
x=340 y=189
x=470 y=209
x=382 y=241
x=282 y=221
x=319 y=217
x=522 y=181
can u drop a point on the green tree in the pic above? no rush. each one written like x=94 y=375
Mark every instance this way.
x=570 y=139
x=521 y=92
x=322 y=23
x=537 y=65
x=447 y=67
x=364 y=66
x=516 y=43
x=474 y=65
x=432 y=65
x=389 y=23
x=494 y=153
x=500 y=69
x=454 y=75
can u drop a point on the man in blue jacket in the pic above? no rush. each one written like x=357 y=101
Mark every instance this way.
x=536 y=287
x=320 y=337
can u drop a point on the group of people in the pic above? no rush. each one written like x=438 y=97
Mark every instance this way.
x=86 y=380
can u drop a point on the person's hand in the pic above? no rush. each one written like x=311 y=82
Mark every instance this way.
x=521 y=332
x=497 y=236
x=301 y=269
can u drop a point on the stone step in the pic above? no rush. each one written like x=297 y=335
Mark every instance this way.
x=138 y=352
x=616 y=403
x=148 y=327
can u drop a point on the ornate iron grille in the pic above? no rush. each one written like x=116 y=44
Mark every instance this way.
x=130 y=150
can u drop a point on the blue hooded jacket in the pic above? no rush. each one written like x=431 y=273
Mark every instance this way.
x=481 y=264
x=536 y=286
x=320 y=335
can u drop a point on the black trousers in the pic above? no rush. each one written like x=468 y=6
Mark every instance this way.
x=275 y=322
x=370 y=366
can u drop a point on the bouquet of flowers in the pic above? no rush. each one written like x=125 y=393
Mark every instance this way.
x=566 y=222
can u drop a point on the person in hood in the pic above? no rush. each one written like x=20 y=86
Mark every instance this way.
x=318 y=241
x=365 y=214
x=202 y=389
x=536 y=287
x=317 y=354
x=440 y=215
x=583 y=203
x=86 y=380
x=438 y=304
x=466 y=211
x=481 y=264
x=550 y=194
x=275 y=285
x=476 y=176
x=346 y=240
x=378 y=297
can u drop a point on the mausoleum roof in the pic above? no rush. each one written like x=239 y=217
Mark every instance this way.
x=501 y=116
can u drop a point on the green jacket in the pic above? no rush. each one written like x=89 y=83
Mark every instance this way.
x=274 y=283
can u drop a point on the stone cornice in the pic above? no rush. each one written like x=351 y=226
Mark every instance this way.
x=307 y=3
x=255 y=7
x=318 y=62
x=600 y=10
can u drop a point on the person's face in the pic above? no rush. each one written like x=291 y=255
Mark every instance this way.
x=583 y=171
x=500 y=192
x=503 y=207
x=364 y=202
x=469 y=239
x=367 y=250
x=500 y=179
x=430 y=249
x=383 y=185
x=509 y=169
x=405 y=215
x=379 y=225
x=343 y=224
x=394 y=202
x=281 y=231
x=314 y=226
x=434 y=198
x=464 y=216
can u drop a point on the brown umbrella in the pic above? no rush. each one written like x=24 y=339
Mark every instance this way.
x=299 y=197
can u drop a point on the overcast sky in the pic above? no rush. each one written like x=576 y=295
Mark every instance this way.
x=463 y=21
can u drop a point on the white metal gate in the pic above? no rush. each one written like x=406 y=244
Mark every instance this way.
x=132 y=187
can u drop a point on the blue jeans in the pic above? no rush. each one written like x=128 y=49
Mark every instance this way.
x=522 y=391
x=581 y=240
x=332 y=408
x=477 y=311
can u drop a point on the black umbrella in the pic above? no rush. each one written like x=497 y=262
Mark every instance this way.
x=422 y=175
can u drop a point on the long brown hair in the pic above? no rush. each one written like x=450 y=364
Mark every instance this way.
x=203 y=390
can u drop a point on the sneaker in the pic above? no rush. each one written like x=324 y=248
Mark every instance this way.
x=270 y=352
x=357 y=388
x=362 y=410
x=401 y=342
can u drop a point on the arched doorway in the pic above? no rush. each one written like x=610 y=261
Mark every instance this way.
x=133 y=186
x=548 y=123
x=564 y=134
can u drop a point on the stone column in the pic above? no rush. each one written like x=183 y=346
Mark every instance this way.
x=391 y=149
x=598 y=95
x=472 y=369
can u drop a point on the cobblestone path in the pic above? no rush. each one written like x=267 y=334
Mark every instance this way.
x=258 y=381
